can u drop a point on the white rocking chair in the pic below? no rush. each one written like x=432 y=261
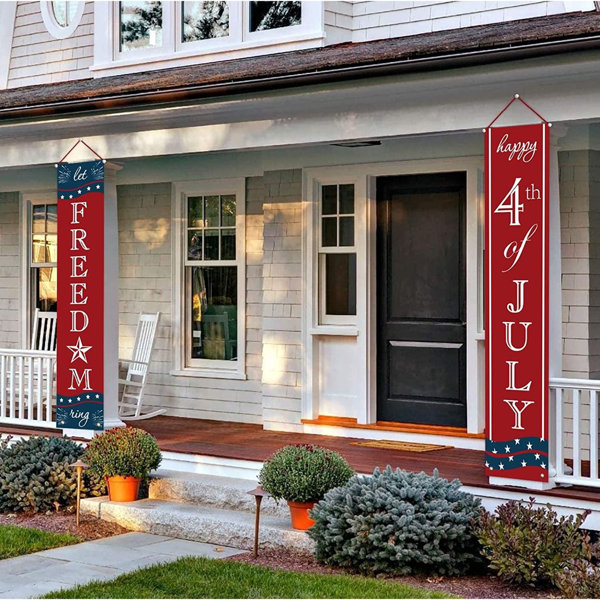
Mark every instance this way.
x=131 y=401
x=43 y=335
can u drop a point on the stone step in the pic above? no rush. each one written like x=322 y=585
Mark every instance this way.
x=198 y=523
x=211 y=490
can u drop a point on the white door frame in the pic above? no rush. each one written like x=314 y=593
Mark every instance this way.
x=365 y=328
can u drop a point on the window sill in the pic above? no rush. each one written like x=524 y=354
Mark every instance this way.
x=339 y=330
x=208 y=373
x=160 y=60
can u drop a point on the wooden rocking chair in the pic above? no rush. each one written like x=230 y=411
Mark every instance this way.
x=131 y=400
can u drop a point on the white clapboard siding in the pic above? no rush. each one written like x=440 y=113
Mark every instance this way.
x=37 y=57
x=10 y=271
x=374 y=20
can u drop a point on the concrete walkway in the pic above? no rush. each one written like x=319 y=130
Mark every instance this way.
x=34 y=575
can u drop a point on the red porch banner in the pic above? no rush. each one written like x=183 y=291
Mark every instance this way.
x=516 y=264
x=80 y=310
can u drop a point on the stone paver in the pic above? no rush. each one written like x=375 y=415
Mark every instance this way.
x=34 y=575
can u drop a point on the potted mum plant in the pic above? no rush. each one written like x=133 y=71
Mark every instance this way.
x=302 y=475
x=123 y=456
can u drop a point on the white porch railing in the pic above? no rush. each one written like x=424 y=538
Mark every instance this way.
x=574 y=405
x=27 y=379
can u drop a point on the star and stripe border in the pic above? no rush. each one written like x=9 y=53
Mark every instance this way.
x=517 y=453
x=90 y=401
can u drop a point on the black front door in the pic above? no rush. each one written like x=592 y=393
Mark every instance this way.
x=421 y=299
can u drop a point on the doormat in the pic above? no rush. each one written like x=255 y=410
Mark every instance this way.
x=405 y=446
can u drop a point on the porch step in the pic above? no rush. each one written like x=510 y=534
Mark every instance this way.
x=211 y=490
x=198 y=523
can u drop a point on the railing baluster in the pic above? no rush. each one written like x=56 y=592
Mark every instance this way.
x=29 y=363
x=576 y=423
x=11 y=387
x=3 y=388
x=593 y=434
x=39 y=390
x=20 y=387
x=560 y=467
x=49 y=375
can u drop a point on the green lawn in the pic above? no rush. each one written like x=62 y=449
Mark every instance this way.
x=208 y=578
x=15 y=541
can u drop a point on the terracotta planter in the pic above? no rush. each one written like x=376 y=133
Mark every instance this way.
x=299 y=513
x=123 y=489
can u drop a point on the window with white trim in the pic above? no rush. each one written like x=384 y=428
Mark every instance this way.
x=337 y=255
x=144 y=31
x=42 y=257
x=212 y=278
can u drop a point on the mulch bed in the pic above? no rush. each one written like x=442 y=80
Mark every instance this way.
x=90 y=528
x=467 y=586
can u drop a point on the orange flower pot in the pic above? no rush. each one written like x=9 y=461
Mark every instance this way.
x=299 y=513
x=123 y=489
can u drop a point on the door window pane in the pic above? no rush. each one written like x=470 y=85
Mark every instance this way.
x=329 y=200
x=346 y=231
x=340 y=284
x=347 y=199
x=214 y=313
x=329 y=232
x=204 y=20
x=141 y=24
x=273 y=15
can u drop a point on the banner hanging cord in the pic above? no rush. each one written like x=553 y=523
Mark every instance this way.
x=79 y=141
x=515 y=98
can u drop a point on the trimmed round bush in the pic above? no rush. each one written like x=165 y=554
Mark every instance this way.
x=397 y=522
x=35 y=475
x=303 y=473
x=124 y=451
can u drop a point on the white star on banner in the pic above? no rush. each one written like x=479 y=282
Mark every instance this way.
x=510 y=459
x=62 y=197
x=487 y=464
x=89 y=188
x=507 y=448
x=88 y=396
x=537 y=456
x=501 y=466
x=529 y=446
x=78 y=398
x=79 y=191
x=523 y=464
x=97 y=395
x=79 y=351
x=543 y=465
x=70 y=400
x=494 y=451
x=517 y=441
x=70 y=196
x=97 y=187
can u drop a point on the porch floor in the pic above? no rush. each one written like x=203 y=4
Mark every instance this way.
x=245 y=441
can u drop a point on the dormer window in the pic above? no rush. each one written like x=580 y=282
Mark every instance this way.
x=160 y=34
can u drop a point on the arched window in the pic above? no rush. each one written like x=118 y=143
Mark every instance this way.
x=62 y=17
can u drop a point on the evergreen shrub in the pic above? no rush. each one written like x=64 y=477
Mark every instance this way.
x=528 y=545
x=397 y=522
x=303 y=473
x=35 y=475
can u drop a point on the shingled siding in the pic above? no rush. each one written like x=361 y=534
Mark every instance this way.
x=10 y=270
x=381 y=20
x=145 y=286
x=37 y=57
x=282 y=296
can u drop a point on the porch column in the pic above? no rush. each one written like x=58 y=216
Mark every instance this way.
x=111 y=299
x=555 y=294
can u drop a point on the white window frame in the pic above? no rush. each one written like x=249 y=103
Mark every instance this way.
x=109 y=60
x=28 y=201
x=184 y=366
x=322 y=317
x=54 y=29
